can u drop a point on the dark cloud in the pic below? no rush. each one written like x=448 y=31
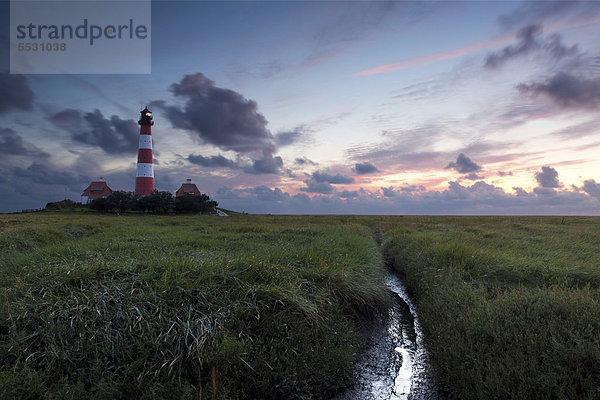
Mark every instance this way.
x=520 y=191
x=265 y=165
x=225 y=193
x=261 y=193
x=13 y=144
x=463 y=164
x=304 y=161
x=473 y=176
x=313 y=186
x=567 y=90
x=213 y=161
x=529 y=42
x=545 y=191
x=392 y=192
x=345 y=194
x=388 y=191
x=554 y=47
x=114 y=135
x=413 y=188
x=288 y=138
x=334 y=179
x=365 y=168
x=16 y=93
x=48 y=175
x=304 y=198
x=218 y=116
x=504 y=173
x=547 y=178
x=541 y=11
x=265 y=193
x=592 y=188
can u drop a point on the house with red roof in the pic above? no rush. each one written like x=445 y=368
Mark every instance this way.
x=95 y=190
x=187 y=188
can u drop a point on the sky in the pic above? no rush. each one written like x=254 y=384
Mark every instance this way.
x=328 y=107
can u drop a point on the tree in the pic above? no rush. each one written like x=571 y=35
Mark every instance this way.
x=120 y=200
x=195 y=203
x=63 y=204
x=157 y=202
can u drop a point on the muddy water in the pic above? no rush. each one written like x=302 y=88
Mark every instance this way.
x=395 y=365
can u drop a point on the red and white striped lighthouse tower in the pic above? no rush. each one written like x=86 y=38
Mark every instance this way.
x=144 y=177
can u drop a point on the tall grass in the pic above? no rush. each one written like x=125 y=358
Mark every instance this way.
x=182 y=307
x=510 y=306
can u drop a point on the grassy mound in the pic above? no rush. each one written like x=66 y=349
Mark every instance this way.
x=183 y=307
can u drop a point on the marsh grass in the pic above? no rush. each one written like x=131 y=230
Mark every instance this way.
x=271 y=307
x=182 y=307
x=510 y=306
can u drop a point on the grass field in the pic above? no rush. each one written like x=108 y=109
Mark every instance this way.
x=268 y=307
x=510 y=306
x=182 y=307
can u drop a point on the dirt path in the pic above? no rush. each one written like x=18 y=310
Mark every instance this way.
x=395 y=365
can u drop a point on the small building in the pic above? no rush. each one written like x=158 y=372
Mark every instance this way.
x=96 y=190
x=187 y=188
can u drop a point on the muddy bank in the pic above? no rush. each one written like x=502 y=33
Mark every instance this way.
x=395 y=365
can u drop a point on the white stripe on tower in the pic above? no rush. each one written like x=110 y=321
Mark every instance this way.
x=144 y=170
x=145 y=142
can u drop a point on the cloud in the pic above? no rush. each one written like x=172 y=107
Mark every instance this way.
x=265 y=193
x=566 y=90
x=527 y=43
x=46 y=174
x=592 y=188
x=260 y=193
x=16 y=94
x=213 y=161
x=463 y=165
x=114 y=135
x=540 y=11
x=265 y=165
x=218 y=116
x=334 y=179
x=547 y=178
x=313 y=186
x=402 y=149
x=476 y=199
x=530 y=41
x=13 y=144
x=504 y=173
x=388 y=191
x=473 y=176
x=304 y=161
x=392 y=192
x=365 y=168
x=288 y=138
x=345 y=194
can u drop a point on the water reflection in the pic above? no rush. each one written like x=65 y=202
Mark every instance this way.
x=395 y=365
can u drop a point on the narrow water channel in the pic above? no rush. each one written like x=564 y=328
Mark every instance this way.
x=395 y=365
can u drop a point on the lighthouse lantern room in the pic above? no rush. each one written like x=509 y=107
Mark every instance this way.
x=144 y=177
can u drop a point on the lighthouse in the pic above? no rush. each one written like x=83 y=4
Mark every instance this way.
x=144 y=177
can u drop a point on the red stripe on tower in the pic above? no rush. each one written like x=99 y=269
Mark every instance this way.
x=144 y=177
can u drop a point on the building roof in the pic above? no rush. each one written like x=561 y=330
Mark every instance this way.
x=96 y=190
x=187 y=188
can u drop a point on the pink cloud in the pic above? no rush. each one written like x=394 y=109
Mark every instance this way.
x=472 y=48
x=436 y=57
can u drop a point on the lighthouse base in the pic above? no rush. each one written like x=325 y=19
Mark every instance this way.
x=144 y=186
